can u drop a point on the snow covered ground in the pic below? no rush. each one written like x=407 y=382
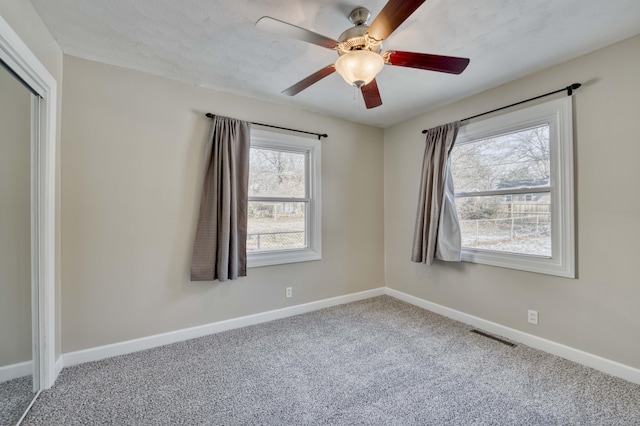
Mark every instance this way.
x=539 y=245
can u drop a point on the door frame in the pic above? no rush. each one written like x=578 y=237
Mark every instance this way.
x=26 y=66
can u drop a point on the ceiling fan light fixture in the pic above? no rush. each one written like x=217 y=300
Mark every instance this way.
x=359 y=67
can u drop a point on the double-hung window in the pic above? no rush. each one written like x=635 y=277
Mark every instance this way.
x=284 y=199
x=513 y=176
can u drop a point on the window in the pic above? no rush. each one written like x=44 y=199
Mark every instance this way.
x=284 y=199
x=513 y=176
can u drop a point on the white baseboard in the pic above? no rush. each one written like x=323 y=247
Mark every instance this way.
x=576 y=355
x=14 y=371
x=129 y=346
x=58 y=367
x=122 y=348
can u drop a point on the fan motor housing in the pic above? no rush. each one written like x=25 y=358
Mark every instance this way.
x=354 y=39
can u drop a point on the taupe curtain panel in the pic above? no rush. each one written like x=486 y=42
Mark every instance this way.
x=220 y=248
x=437 y=231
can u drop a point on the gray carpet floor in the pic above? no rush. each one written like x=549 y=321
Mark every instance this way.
x=374 y=362
x=15 y=397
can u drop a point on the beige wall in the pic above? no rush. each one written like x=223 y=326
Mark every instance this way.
x=131 y=173
x=15 y=224
x=598 y=312
x=25 y=21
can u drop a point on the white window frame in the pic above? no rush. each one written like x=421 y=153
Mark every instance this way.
x=558 y=114
x=313 y=218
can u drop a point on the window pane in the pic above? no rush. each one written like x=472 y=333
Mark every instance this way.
x=516 y=160
x=276 y=226
x=275 y=173
x=514 y=226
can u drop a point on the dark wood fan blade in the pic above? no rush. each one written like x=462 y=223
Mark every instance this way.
x=424 y=61
x=392 y=15
x=371 y=94
x=276 y=26
x=313 y=78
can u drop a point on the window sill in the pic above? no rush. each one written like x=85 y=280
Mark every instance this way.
x=538 y=264
x=256 y=260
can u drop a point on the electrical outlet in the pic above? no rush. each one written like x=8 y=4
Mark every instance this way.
x=288 y=292
x=533 y=317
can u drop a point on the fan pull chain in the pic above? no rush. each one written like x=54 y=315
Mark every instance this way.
x=355 y=97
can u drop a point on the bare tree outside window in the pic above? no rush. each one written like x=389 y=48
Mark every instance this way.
x=276 y=173
x=503 y=192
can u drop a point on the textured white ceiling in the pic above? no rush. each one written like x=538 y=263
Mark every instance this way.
x=214 y=44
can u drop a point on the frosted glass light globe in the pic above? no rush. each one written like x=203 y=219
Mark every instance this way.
x=359 y=67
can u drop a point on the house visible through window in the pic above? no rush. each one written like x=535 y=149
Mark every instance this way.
x=284 y=199
x=491 y=176
x=513 y=177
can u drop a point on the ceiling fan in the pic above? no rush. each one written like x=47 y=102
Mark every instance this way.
x=359 y=49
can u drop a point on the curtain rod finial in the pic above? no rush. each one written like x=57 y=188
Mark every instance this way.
x=209 y=115
x=573 y=87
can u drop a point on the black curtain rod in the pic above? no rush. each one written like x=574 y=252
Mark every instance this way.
x=319 y=135
x=569 y=90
